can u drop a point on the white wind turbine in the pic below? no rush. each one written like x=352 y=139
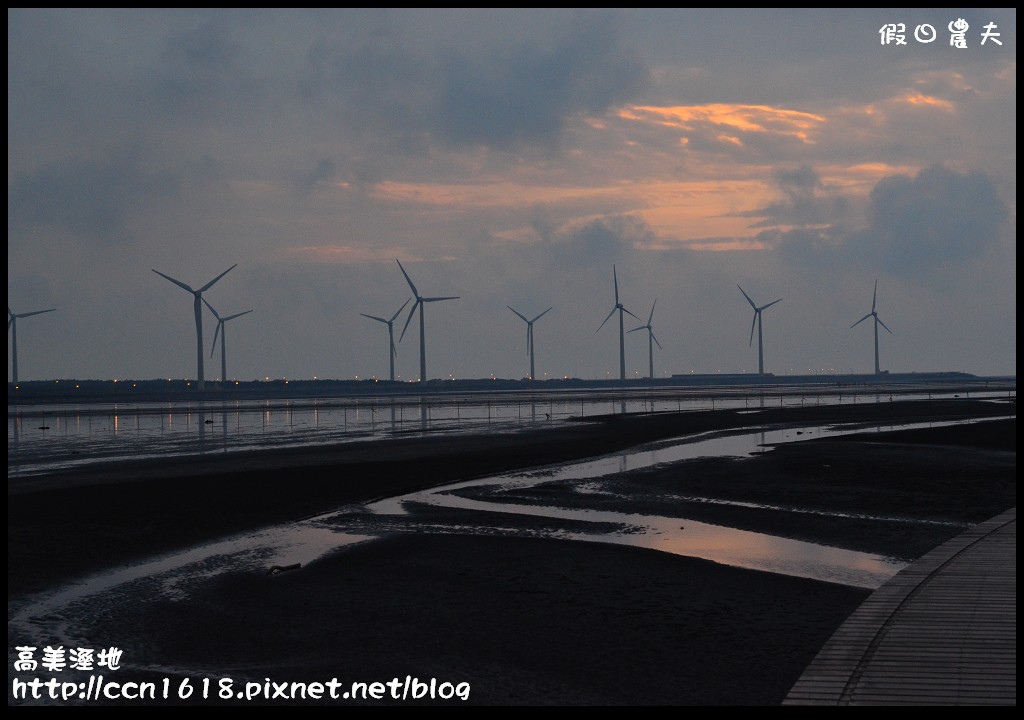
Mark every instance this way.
x=529 y=334
x=198 y=307
x=12 y=325
x=391 y=333
x=757 y=321
x=622 y=334
x=420 y=302
x=650 y=338
x=878 y=321
x=223 y=332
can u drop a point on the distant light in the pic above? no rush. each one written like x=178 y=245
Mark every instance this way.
x=236 y=382
x=76 y=385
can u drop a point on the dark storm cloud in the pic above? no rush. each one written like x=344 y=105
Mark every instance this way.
x=323 y=171
x=85 y=197
x=510 y=94
x=913 y=224
x=806 y=201
x=599 y=242
x=198 y=69
x=922 y=222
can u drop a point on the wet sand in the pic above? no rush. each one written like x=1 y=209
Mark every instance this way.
x=522 y=620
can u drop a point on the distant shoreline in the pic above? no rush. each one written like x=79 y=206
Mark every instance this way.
x=182 y=390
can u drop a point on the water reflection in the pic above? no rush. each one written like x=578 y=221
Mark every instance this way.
x=91 y=433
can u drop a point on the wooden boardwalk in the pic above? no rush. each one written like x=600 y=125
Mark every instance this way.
x=943 y=631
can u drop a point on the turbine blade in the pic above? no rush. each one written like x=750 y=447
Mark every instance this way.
x=518 y=313
x=874 y=296
x=748 y=298
x=651 y=317
x=407 y=278
x=399 y=310
x=883 y=324
x=540 y=316
x=232 y=317
x=436 y=299
x=211 y=309
x=629 y=313
x=179 y=283
x=615 y=276
x=642 y=327
x=861 y=320
x=216 y=332
x=765 y=307
x=374 y=317
x=605 y=320
x=529 y=338
x=35 y=312
x=394 y=350
x=208 y=285
x=752 y=324
x=408 y=320
x=656 y=340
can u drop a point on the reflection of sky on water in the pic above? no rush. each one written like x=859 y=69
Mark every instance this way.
x=173 y=576
x=81 y=434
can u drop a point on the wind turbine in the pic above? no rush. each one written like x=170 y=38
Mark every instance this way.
x=12 y=325
x=878 y=321
x=650 y=338
x=420 y=302
x=198 y=306
x=529 y=334
x=223 y=332
x=760 y=337
x=391 y=333
x=622 y=334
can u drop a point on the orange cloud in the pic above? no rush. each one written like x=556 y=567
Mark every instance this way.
x=486 y=194
x=919 y=99
x=747 y=118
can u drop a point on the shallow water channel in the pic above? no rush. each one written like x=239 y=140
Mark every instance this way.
x=299 y=543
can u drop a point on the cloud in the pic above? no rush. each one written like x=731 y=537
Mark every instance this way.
x=911 y=225
x=597 y=242
x=506 y=95
x=806 y=201
x=937 y=217
x=91 y=198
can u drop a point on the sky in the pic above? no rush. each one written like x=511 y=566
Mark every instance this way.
x=516 y=158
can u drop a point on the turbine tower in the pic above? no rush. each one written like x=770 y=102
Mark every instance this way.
x=650 y=338
x=198 y=307
x=878 y=321
x=420 y=302
x=760 y=337
x=391 y=333
x=222 y=331
x=622 y=334
x=529 y=334
x=12 y=325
